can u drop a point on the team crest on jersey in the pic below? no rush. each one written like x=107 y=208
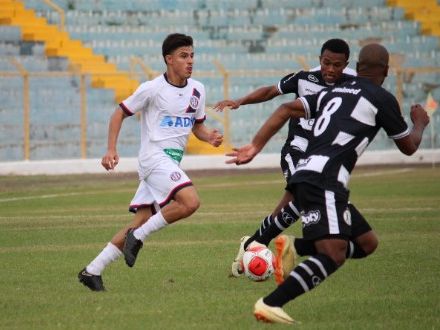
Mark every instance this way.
x=347 y=217
x=193 y=101
x=175 y=176
x=313 y=78
x=310 y=218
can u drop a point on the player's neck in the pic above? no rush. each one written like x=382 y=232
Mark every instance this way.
x=175 y=80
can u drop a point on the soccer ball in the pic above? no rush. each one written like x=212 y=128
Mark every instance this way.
x=258 y=263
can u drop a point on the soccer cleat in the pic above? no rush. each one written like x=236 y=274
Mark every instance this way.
x=93 y=282
x=269 y=314
x=237 y=266
x=285 y=257
x=131 y=248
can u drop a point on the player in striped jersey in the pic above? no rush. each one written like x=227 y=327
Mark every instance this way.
x=333 y=70
x=347 y=118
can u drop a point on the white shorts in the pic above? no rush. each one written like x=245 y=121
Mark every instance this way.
x=163 y=180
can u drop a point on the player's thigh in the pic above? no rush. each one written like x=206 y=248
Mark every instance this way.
x=166 y=181
x=324 y=213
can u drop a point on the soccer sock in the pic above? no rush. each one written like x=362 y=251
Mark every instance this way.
x=283 y=220
x=307 y=248
x=109 y=254
x=153 y=224
x=304 y=277
x=264 y=224
x=354 y=251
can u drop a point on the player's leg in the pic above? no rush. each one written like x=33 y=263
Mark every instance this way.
x=91 y=276
x=363 y=240
x=324 y=221
x=285 y=214
x=165 y=183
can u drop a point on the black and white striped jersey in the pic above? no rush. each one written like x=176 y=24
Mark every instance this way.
x=303 y=83
x=347 y=118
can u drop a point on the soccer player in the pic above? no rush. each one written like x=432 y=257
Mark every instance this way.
x=347 y=118
x=333 y=65
x=171 y=106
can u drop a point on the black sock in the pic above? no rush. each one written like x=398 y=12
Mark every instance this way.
x=283 y=220
x=354 y=251
x=304 y=277
x=264 y=224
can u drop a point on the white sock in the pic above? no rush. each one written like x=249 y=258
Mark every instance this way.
x=153 y=224
x=109 y=254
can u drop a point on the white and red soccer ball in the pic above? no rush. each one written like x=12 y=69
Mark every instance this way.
x=258 y=263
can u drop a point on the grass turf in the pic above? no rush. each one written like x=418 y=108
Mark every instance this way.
x=52 y=226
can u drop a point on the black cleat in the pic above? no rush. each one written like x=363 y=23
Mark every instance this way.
x=93 y=282
x=131 y=248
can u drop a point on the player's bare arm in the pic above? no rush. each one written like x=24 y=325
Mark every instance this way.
x=410 y=143
x=272 y=125
x=212 y=136
x=261 y=94
x=111 y=158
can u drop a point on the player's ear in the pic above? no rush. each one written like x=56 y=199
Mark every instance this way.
x=386 y=71
x=346 y=64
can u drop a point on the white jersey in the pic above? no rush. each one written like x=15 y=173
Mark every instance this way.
x=168 y=114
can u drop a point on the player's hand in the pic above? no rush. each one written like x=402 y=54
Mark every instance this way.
x=243 y=155
x=215 y=138
x=222 y=105
x=110 y=160
x=419 y=115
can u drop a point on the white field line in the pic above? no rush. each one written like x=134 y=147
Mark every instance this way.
x=217 y=185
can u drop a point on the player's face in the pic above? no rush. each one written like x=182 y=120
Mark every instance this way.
x=180 y=64
x=332 y=65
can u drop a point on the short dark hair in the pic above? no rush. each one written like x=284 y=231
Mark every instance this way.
x=336 y=46
x=174 y=41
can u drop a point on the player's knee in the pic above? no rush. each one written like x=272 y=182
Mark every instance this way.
x=371 y=245
x=191 y=206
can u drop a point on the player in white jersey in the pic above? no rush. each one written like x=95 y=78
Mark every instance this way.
x=171 y=106
x=347 y=118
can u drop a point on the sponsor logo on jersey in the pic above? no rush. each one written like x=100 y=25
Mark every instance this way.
x=313 y=78
x=175 y=121
x=175 y=154
x=310 y=218
x=193 y=101
x=346 y=90
x=303 y=162
x=175 y=176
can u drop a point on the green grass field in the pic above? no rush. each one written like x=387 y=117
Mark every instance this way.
x=52 y=226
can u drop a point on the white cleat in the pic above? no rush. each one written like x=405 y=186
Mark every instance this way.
x=237 y=266
x=268 y=314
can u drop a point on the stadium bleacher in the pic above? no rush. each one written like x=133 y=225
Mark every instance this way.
x=246 y=35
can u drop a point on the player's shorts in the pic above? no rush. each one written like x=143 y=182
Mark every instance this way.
x=162 y=179
x=359 y=224
x=324 y=213
x=289 y=160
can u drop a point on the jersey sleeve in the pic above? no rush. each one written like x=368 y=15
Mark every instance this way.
x=310 y=103
x=390 y=118
x=288 y=84
x=138 y=100
x=200 y=112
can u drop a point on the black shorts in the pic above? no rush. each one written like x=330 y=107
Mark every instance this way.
x=289 y=160
x=324 y=213
x=359 y=224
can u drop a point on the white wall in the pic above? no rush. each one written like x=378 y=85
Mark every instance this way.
x=189 y=162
